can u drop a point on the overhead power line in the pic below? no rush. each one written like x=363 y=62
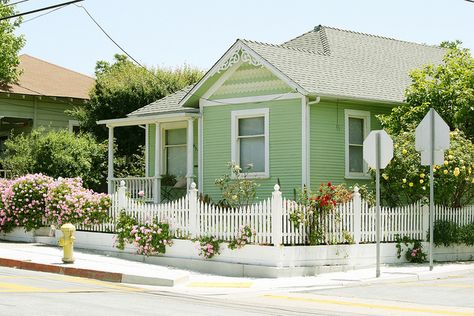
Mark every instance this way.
x=39 y=10
x=15 y=3
x=46 y=13
x=110 y=38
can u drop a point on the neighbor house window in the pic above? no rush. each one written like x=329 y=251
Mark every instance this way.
x=74 y=127
x=250 y=139
x=175 y=151
x=357 y=126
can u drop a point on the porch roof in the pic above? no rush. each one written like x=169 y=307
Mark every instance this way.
x=168 y=104
x=150 y=119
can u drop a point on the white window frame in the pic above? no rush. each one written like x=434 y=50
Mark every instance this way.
x=365 y=115
x=165 y=127
x=72 y=124
x=235 y=149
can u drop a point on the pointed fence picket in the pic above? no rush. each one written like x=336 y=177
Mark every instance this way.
x=353 y=221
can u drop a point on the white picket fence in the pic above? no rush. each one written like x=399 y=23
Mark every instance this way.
x=353 y=221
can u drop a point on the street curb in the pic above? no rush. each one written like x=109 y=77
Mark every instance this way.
x=77 y=272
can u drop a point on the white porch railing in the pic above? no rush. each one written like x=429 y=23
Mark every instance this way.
x=270 y=219
x=5 y=174
x=137 y=188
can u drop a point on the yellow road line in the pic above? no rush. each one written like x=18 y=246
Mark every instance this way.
x=17 y=288
x=221 y=284
x=100 y=283
x=369 y=305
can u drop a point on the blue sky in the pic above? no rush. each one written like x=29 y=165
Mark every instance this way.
x=171 y=33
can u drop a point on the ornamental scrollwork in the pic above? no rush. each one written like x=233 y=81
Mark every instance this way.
x=239 y=55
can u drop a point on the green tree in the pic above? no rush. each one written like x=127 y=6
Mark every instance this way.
x=447 y=87
x=57 y=154
x=122 y=87
x=10 y=45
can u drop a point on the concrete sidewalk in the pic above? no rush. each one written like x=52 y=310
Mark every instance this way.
x=39 y=257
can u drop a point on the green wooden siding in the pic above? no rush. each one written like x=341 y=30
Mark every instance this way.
x=249 y=80
x=45 y=113
x=285 y=145
x=327 y=139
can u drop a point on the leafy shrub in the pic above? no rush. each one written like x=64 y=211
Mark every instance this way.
x=57 y=153
x=466 y=234
x=236 y=188
x=208 y=246
x=150 y=238
x=30 y=200
x=24 y=202
x=445 y=233
x=243 y=238
x=414 y=253
x=68 y=202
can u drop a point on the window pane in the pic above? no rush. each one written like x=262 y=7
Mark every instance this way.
x=176 y=136
x=356 y=163
x=251 y=126
x=356 y=131
x=252 y=151
x=176 y=160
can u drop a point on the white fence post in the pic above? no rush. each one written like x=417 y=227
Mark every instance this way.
x=121 y=196
x=277 y=206
x=193 y=207
x=425 y=213
x=357 y=205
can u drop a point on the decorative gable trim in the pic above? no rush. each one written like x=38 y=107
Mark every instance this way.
x=245 y=54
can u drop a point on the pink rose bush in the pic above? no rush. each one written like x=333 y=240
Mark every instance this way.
x=243 y=237
x=23 y=202
x=68 y=201
x=150 y=238
x=208 y=246
x=32 y=200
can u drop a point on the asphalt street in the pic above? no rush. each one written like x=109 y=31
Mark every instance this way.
x=35 y=293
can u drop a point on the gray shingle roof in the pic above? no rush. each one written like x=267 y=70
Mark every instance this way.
x=334 y=62
x=331 y=61
x=168 y=104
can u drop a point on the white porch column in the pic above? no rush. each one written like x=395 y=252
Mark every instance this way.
x=157 y=180
x=110 y=173
x=190 y=154
x=304 y=142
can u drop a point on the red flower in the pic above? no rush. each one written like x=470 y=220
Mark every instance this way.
x=329 y=184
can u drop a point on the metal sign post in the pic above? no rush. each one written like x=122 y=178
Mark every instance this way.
x=432 y=138
x=377 y=152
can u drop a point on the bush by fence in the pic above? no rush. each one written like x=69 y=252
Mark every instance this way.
x=34 y=200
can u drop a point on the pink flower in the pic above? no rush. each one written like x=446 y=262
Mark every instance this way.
x=141 y=193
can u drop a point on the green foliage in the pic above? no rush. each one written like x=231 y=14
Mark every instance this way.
x=404 y=180
x=448 y=233
x=208 y=246
x=57 y=154
x=414 y=253
x=447 y=87
x=10 y=45
x=123 y=87
x=236 y=188
x=150 y=238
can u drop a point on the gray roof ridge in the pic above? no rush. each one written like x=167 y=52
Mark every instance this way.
x=373 y=35
x=284 y=47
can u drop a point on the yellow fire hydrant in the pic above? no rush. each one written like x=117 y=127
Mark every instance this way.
x=67 y=242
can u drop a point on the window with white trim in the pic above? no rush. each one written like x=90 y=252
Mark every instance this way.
x=357 y=127
x=250 y=141
x=174 y=148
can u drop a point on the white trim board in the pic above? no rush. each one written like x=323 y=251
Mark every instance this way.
x=365 y=115
x=253 y=99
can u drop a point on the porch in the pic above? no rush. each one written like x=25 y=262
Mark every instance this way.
x=171 y=145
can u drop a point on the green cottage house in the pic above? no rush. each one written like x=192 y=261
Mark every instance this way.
x=41 y=97
x=297 y=111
